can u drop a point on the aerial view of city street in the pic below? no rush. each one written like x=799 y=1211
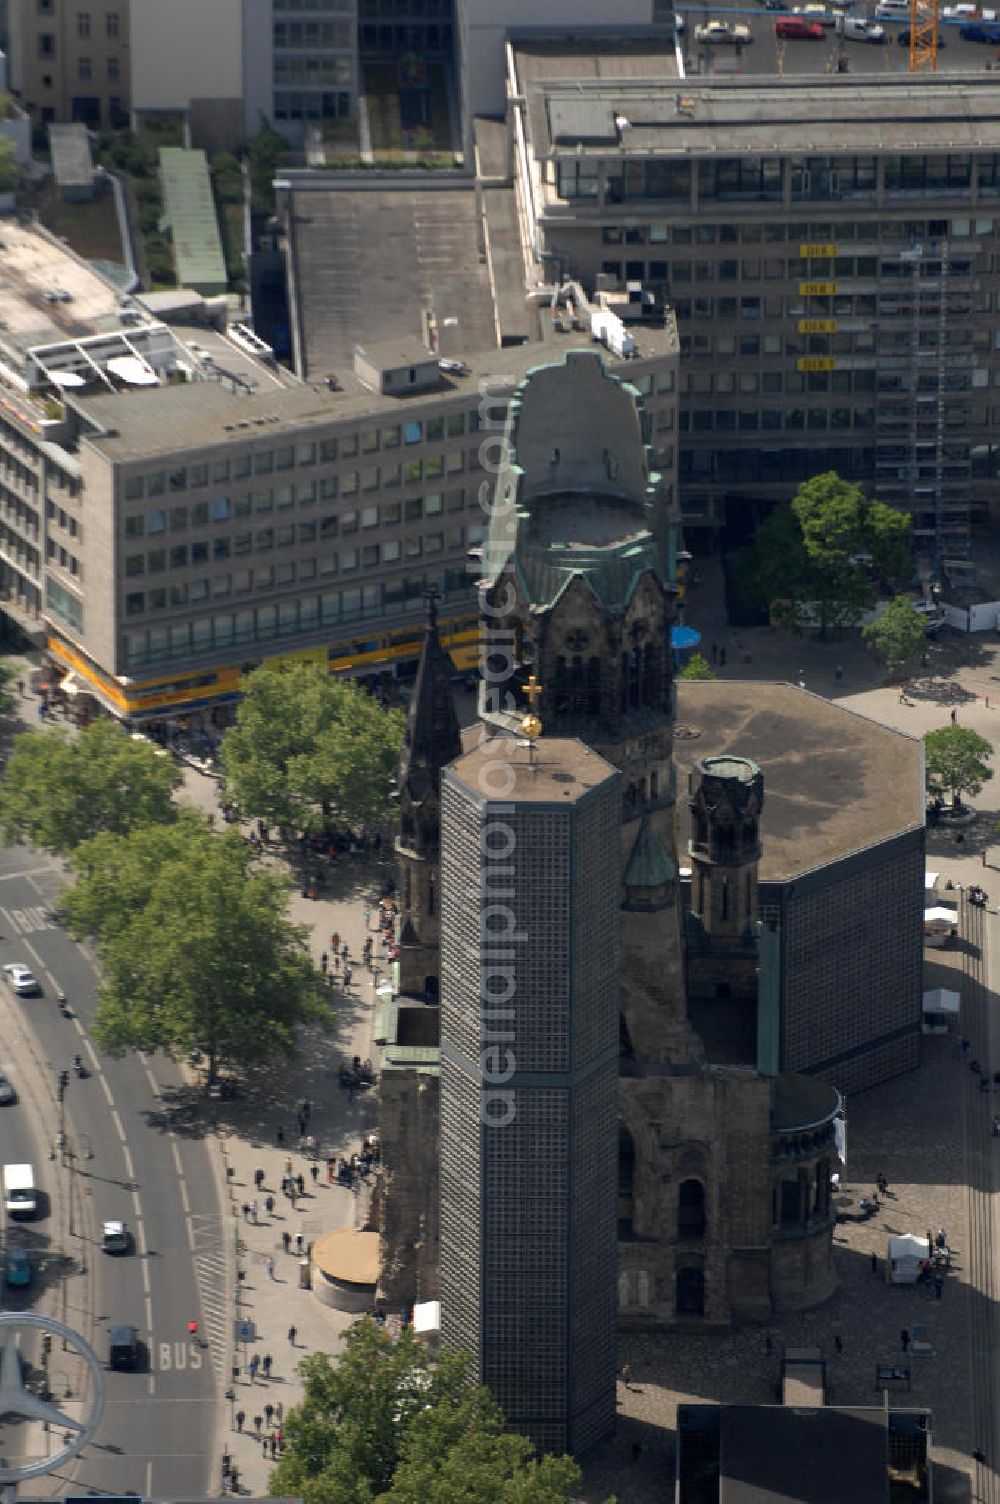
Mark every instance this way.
x=499 y=724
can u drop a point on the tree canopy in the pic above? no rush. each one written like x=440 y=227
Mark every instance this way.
x=387 y=1422
x=898 y=634
x=195 y=947
x=697 y=667
x=825 y=553
x=307 y=748
x=60 y=789
x=956 y=761
x=9 y=170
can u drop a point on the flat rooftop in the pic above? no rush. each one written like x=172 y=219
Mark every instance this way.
x=834 y=781
x=740 y=113
x=157 y=420
x=46 y=294
x=814 y=1456
x=561 y=771
x=368 y=262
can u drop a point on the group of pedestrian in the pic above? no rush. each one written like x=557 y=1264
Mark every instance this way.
x=259 y=1365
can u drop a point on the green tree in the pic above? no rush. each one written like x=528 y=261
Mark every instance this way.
x=194 y=944
x=697 y=667
x=9 y=170
x=9 y=672
x=60 y=790
x=306 y=748
x=824 y=554
x=387 y=1422
x=956 y=761
x=897 y=635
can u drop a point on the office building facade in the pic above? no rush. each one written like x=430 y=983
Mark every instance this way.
x=70 y=59
x=839 y=308
x=529 y=1082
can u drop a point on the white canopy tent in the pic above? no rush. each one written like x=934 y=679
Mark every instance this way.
x=906 y=1254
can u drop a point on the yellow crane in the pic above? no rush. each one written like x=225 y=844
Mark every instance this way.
x=923 y=35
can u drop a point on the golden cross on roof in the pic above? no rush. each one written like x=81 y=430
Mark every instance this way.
x=532 y=691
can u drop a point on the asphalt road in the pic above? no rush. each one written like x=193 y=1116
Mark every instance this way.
x=132 y=1151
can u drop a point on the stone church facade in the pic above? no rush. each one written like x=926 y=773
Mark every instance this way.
x=723 y=1180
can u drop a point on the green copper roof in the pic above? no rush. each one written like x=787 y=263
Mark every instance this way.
x=649 y=866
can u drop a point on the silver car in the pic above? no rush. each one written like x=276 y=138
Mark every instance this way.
x=21 y=979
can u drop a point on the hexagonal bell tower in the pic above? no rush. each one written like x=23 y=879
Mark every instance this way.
x=726 y=799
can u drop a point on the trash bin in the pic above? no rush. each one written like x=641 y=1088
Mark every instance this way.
x=304 y=1281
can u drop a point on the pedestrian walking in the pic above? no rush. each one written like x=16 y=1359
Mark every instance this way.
x=288 y=1165
x=838 y=675
x=269 y=1206
x=307 y=1110
x=266 y=1365
x=335 y=942
x=241 y=1416
x=253 y=1211
x=268 y=1415
x=331 y=1167
x=279 y=1412
x=246 y=1211
x=270 y=1267
x=300 y=1181
x=258 y=1179
x=874 y=1263
x=302 y=1129
x=293 y=1192
x=348 y=973
x=314 y=1172
x=258 y=1421
x=626 y=1372
x=292 y=1334
x=286 y=1239
x=298 y=1242
x=344 y=951
x=938 y=1286
x=324 y=961
x=838 y=1345
x=252 y=1368
x=904 y=1338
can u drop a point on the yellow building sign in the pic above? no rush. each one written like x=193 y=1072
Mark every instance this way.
x=817 y=326
x=817 y=250
x=817 y=289
x=815 y=363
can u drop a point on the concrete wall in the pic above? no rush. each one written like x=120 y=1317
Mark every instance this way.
x=483 y=27
x=186 y=50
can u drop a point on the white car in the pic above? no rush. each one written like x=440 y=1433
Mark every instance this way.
x=21 y=980
x=722 y=31
x=818 y=13
x=114 y=1237
x=7 y=1092
x=857 y=29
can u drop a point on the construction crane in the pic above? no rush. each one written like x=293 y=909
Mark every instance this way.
x=923 y=36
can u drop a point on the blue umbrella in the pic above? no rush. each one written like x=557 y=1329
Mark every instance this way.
x=682 y=638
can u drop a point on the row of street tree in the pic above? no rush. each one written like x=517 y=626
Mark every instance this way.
x=192 y=931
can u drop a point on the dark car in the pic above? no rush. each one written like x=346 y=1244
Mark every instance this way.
x=981 y=31
x=123 y=1348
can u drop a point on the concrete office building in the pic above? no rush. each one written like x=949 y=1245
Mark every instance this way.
x=174 y=508
x=69 y=60
x=839 y=305
x=529 y=1088
x=226 y=65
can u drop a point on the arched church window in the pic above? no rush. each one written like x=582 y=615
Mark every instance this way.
x=689 y=1298
x=724 y=899
x=691 y=1210
x=593 y=686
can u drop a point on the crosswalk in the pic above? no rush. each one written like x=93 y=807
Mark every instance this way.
x=210 y=1271
x=27 y=921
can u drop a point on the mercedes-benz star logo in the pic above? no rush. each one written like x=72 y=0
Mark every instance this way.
x=20 y=1403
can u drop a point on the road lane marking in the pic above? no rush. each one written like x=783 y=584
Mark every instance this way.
x=107 y=1093
x=129 y=1166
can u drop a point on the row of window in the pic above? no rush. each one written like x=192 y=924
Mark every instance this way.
x=774 y=306
x=780 y=269
x=264 y=540
x=805 y=232
x=313 y=34
x=706 y=346
x=85 y=69
x=763 y=179
x=312 y=72
x=222 y=509
x=56 y=554
x=112 y=23
x=305 y=453
x=313 y=105
x=340 y=6
x=263 y=623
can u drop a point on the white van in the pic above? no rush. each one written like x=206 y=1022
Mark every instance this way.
x=892 y=10
x=19 y=1196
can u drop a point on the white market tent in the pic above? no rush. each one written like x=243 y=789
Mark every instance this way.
x=941 y=914
x=931 y=881
x=906 y=1254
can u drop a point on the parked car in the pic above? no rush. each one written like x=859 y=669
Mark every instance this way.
x=857 y=29
x=18 y=1268
x=797 y=27
x=722 y=31
x=7 y=1092
x=981 y=31
x=817 y=13
x=21 y=980
x=115 y=1237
